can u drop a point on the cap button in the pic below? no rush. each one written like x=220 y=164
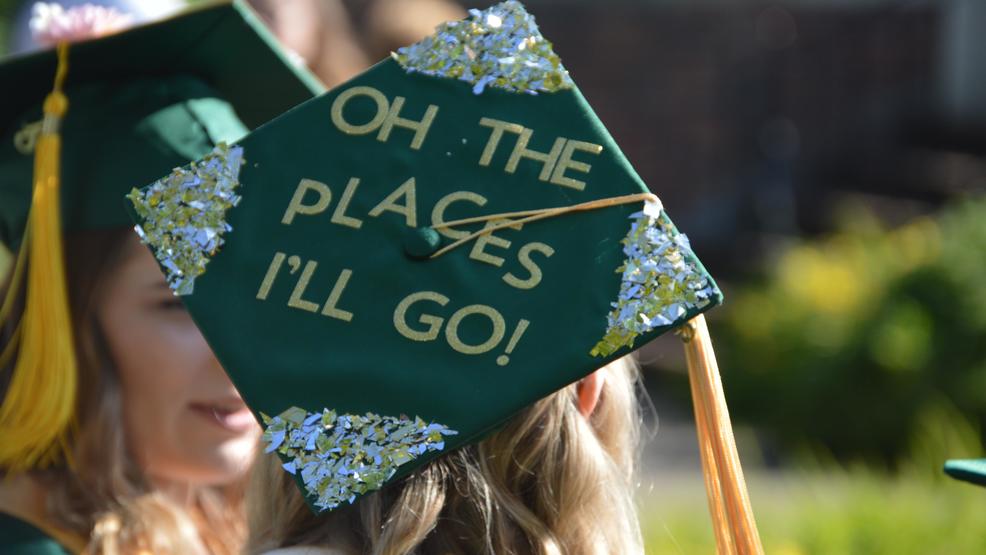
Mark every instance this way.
x=421 y=242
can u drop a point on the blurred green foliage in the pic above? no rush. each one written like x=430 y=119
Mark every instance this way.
x=7 y=8
x=5 y=260
x=850 y=339
x=821 y=508
x=845 y=514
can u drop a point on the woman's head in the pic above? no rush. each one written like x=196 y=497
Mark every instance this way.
x=551 y=480
x=156 y=413
x=183 y=418
x=143 y=360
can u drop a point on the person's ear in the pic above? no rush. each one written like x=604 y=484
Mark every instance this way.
x=588 y=390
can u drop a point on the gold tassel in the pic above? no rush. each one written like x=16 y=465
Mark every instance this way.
x=37 y=413
x=729 y=503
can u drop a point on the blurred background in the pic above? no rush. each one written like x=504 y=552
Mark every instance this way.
x=828 y=160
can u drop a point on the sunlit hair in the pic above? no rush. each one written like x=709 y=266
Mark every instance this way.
x=549 y=482
x=104 y=495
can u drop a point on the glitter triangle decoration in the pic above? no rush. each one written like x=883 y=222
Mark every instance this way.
x=498 y=47
x=339 y=457
x=184 y=214
x=661 y=282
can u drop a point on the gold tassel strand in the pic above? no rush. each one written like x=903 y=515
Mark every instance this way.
x=36 y=416
x=710 y=473
x=729 y=502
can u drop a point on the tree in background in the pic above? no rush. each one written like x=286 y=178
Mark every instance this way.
x=850 y=342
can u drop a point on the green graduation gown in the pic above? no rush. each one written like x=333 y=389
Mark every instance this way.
x=17 y=537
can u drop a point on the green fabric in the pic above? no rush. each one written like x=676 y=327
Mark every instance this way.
x=20 y=538
x=116 y=135
x=140 y=103
x=281 y=357
x=277 y=366
x=968 y=470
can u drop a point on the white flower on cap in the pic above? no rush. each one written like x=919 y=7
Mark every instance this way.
x=51 y=23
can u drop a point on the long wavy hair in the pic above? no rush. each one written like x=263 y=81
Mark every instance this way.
x=550 y=482
x=104 y=495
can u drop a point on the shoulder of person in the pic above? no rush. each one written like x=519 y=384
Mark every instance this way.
x=19 y=537
x=305 y=550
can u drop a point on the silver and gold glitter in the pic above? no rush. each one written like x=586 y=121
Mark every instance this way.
x=660 y=282
x=498 y=47
x=184 y=214
x=340 y=457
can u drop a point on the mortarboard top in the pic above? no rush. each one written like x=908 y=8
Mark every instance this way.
x=141 y=102
x=312 y=257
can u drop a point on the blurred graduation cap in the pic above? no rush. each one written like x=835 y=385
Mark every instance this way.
x=391 y=270
x=126 y=108
x=141 y=102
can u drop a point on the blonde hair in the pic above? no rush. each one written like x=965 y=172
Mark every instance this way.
x=103 y=495
x=549 y=482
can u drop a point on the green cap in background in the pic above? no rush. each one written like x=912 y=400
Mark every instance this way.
x=967 y=470
x=141 y=102
x=313 y=255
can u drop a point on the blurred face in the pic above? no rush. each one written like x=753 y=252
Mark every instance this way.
x=185 y=422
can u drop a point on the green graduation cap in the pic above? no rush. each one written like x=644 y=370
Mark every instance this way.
x=139 y=103
x=391 y=270
x=967 y=470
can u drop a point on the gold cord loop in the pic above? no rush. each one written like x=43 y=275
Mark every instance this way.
x=527 y=216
